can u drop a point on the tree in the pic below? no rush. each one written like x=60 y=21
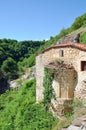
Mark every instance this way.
x=83 y=38
x=79 y=22
x=2 y=55
x=3 y=82
x=64 y=32
x=9 y=68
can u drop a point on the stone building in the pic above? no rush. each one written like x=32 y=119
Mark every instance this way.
x=73 y=58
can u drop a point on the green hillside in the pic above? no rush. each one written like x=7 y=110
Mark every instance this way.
x=18 y=110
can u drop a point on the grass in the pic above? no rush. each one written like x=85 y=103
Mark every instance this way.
x=79 y=110
x=18 y=110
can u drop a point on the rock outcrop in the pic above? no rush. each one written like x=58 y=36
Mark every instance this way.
x=73 y=38
x=77 y=124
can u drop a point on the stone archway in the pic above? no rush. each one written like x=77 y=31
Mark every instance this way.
x=63 y=85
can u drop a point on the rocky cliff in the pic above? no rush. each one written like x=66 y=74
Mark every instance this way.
x=72 y=37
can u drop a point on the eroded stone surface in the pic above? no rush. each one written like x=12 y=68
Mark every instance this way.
x=60 y=106
x=77 y=124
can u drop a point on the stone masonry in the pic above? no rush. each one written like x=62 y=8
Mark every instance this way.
x=70 y=53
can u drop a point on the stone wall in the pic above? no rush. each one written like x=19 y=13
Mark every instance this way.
x=71 y=55
x=63 y=83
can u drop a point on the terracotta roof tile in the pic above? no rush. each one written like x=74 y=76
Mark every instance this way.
x=69 y=44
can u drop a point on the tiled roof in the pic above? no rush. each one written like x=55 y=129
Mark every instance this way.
x=69 y=44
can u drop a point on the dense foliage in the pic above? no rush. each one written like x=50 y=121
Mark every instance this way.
x=83 y=38
x=14 y=55
x=9 y=68
x=3 y=83
x=79 y=22
x=18 y=110
x=48 y=89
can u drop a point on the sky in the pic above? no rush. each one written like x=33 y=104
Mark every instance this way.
x=37 y=19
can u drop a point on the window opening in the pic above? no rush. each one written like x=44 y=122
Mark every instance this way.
x=83 y=65
x=61 y=53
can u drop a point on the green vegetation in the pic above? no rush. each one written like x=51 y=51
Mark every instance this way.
x=24 y=52
x=15 y=55
x=79 y=22
x=48 y=89
x=79 y=109
x=3 y=82
x=83 y=38
x=9 y=68
x=18 y=110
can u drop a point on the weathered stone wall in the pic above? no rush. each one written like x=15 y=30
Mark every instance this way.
x=63 y=83
x=60 y=106
x=71 y=55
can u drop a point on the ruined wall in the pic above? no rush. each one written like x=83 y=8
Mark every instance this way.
x=63 y=83
x=41 y=61
x=70 y=55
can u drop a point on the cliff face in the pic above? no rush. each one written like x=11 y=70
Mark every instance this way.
x=3 y=83
x=73 y=36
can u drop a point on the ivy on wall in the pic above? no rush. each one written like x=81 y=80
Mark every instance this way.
x=48 y=89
